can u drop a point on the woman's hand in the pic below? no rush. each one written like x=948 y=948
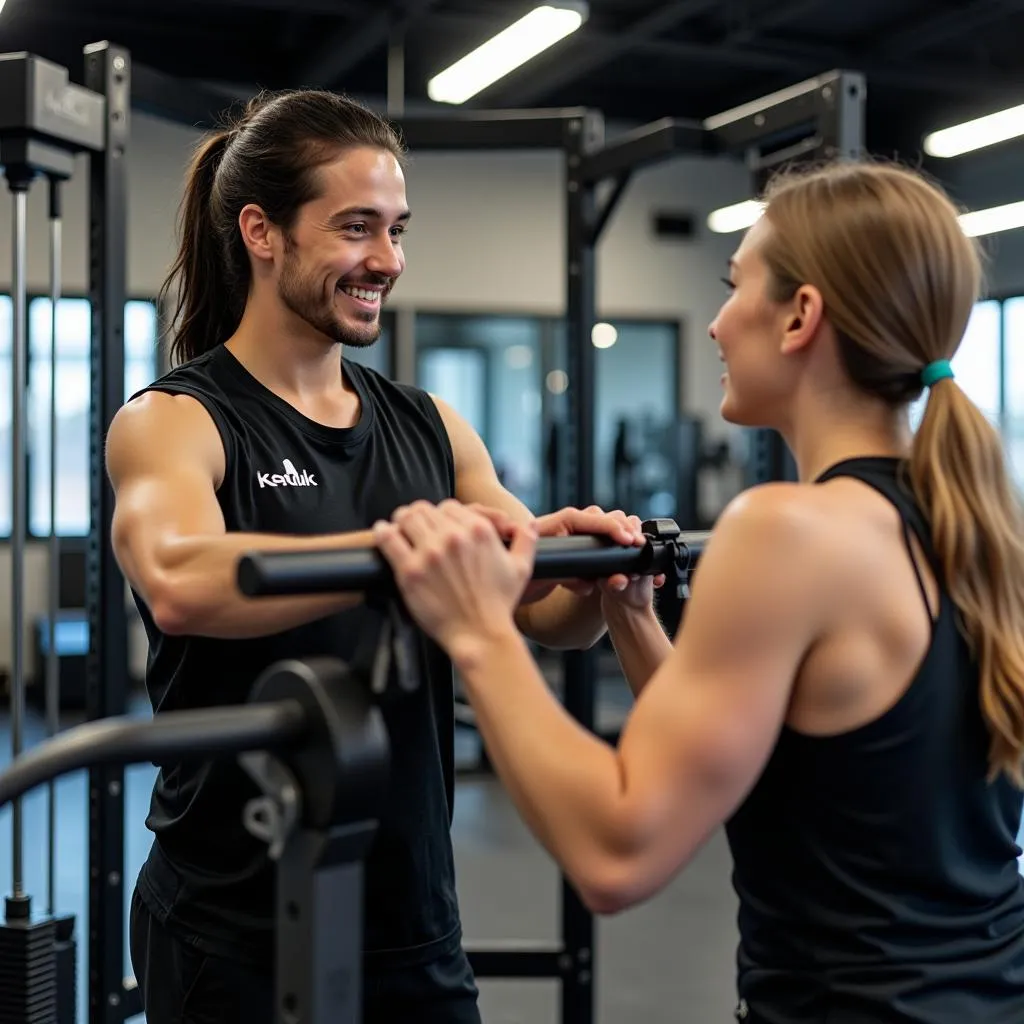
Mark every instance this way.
x=454 y=571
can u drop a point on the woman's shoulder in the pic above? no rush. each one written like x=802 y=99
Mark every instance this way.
x=826 y=535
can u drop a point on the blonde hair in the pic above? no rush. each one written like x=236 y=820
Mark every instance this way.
x=899 y=279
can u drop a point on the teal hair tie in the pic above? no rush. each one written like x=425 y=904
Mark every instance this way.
x=934 y=372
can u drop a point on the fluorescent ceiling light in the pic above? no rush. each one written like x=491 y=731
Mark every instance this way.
x=522 y=41
x=2 y=2
x=971 y=135
x=996 y=218
x=741 y=216
x=735 y=218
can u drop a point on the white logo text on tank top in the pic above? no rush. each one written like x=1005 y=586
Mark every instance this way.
x=290 y=478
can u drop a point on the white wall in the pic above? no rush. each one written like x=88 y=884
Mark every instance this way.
x=487 y=236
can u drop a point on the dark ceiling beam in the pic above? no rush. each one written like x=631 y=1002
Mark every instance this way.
x=771 y=19
x=339 y=8
x=592 y=51
x=921 y=33
x=926 y=77
x=345 y=48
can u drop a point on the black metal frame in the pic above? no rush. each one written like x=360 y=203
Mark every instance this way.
x=820 y=117
x=111 y=999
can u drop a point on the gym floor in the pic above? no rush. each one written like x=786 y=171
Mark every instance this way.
x=668 y=961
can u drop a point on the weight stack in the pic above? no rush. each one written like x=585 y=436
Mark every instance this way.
x=28 y=968
x=66 y=956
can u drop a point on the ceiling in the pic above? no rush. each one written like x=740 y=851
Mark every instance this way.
x=928 y=63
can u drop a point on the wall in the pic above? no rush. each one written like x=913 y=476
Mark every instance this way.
x=487 y=236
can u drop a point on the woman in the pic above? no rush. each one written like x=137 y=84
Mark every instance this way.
x=846 y=694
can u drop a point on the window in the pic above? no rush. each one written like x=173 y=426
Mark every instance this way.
x=508 y=377
x=638 y=464
x=977 y=363
x=1013 y=367
x=73 y=402
x=489 y=369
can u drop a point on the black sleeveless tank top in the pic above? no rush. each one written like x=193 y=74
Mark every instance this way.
x=206 y=876
x=877 y=870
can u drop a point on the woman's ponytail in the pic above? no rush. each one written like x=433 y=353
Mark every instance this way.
x=959 y=474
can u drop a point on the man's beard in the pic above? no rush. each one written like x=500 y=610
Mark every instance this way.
x=305 y=299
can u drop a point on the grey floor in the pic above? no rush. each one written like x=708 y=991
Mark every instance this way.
x=668 y=961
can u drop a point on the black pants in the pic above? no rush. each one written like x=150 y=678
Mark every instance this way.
x=183 y=985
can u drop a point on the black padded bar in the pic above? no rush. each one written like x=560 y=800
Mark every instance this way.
x=205 y=732
x=276 y=573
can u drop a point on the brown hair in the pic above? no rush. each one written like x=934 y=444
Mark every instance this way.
x=899 y=279
x=266 y=156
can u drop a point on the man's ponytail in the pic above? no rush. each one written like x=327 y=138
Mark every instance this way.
x=201 y=282
x=959 y=474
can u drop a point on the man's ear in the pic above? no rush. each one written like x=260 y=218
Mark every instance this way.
x=258 y=232
x=802 y=318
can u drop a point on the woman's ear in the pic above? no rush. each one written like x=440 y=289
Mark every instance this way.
x=802 y=318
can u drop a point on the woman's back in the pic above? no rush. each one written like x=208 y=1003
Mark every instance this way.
x=875 y=861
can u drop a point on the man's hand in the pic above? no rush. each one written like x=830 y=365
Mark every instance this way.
x=566 y=522
x=628 y=593
x=593 y=521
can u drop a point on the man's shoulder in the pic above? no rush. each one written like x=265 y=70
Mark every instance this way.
x=389 y=391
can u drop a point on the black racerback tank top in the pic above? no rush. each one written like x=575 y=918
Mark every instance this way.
x=206 y=876
x=877 y=870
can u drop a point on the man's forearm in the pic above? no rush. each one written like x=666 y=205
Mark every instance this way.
x=640 y=643
x=563 y=620
x=195 y=592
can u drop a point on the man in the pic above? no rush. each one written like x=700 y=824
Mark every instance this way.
x=263 y=437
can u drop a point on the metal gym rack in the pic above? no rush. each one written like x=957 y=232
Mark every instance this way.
x=822 y=117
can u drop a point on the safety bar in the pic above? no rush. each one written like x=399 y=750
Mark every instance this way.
x=280 y=573
x=195 y=734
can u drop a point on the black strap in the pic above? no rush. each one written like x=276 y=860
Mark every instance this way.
x=888 y=477
x=917 y=569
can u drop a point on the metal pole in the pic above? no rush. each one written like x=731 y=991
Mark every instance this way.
x=19 y=296
x=579 y=667
x=396 y=74
x=108 y=72
x=52 y=660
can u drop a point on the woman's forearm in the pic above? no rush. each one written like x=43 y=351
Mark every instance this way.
x=640 y=643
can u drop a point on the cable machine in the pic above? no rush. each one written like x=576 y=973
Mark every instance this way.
x=45 y=122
